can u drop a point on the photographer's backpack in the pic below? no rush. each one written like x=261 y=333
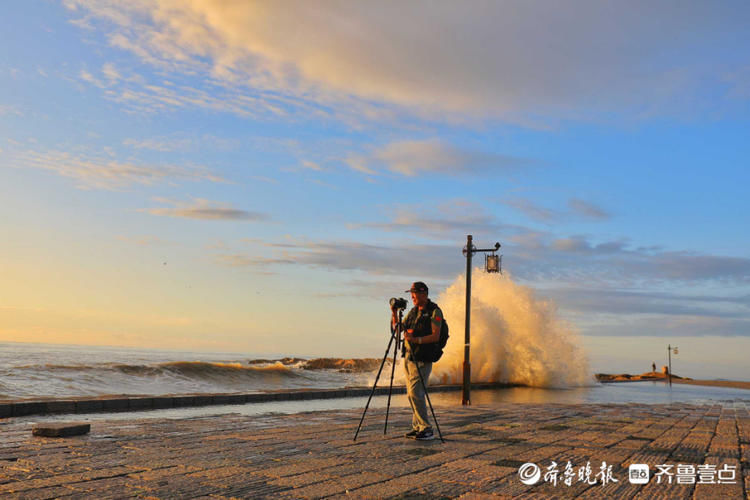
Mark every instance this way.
x=443 y=340
x=437 y=347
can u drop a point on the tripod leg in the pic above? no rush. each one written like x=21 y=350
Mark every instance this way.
x=390 y=389
x=377 y=377
x=427 y=394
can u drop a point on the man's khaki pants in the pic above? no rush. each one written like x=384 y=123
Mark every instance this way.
x=416 y=393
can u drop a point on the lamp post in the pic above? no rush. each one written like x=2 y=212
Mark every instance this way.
x=669 y=355
x=492 y=265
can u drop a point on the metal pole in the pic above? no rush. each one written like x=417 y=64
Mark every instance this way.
x=466 y=400
x=669 y=351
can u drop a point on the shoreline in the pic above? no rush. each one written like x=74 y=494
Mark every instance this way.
x=734 y=384
x=122 y=403
x=606 y=378
x=133 y=403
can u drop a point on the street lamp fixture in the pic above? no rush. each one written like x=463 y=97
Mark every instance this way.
x=493 y=263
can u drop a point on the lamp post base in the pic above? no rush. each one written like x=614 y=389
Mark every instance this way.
x=466 y=399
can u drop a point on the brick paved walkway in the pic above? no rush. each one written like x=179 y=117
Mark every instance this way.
x=312 y=455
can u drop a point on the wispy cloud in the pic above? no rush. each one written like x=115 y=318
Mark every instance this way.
x=578 y=259
x=425 y=157
x=607 y=286
x=372 y=260
x=533 y=210
x=488 y=66
x=311 y=165
x=181 y=143
x=204 y=210
x=587 y=209
x=615 y=301
x=452 y=219
x=159 y=144
x=576 y=208
x=103 y=171
x=239 y=260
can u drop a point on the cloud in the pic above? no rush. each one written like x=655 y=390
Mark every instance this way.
x=205 y=210
x=690 y=266
x=607 y=288
x=311 y=165
x=140 y=94
x=536 y=255
x=102 y=171
x=580 y=245
x=621 y=302
x=159 y=144
x=650 y=325
x=587 y=209
x=426 y=157
x=542 y=256
x=440 y=262
x=532 y=210
x=182 y=143
x=239 y=260
x=576 y=208
x=518 y=61
x=450 y=220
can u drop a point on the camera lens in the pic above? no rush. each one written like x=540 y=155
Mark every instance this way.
x=397 y=303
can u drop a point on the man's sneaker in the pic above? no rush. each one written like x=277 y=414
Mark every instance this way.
x=425 y=435
x=411 y=434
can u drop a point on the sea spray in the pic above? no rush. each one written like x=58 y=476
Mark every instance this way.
x=516 y=337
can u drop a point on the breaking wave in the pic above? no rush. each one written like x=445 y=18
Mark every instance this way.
x=516 y=337
x=180 y=377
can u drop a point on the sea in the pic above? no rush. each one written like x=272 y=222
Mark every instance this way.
x=64 y=371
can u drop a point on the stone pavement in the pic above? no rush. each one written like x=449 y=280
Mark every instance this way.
x=312 y=455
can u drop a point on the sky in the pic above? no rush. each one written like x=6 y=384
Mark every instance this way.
x=262 y=177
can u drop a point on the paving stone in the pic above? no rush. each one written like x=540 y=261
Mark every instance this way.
x=61 y=429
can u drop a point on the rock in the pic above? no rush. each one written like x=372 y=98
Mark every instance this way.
x=61 y=429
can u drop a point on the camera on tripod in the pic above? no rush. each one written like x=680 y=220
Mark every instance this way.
x=398 y=303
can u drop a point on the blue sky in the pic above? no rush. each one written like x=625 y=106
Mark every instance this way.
x=235 y=176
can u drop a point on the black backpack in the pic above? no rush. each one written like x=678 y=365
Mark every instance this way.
x=440 y=345
x=433 y=352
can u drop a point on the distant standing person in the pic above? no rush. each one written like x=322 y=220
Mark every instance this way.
x=653 y=366
x=422 y=325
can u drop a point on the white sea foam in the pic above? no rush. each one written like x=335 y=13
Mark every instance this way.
x=516 y=337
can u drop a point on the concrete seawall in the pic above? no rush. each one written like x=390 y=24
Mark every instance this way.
x=26 y=407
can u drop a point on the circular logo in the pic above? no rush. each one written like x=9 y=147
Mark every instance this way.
x=529 y=473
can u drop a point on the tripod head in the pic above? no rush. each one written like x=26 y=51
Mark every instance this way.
x=398 y=331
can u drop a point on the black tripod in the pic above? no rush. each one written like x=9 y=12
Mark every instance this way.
x=396 y=335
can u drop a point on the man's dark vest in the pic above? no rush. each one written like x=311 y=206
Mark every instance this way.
x=421 y=324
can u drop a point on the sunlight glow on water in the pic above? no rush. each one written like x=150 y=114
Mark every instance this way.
x=631 y=392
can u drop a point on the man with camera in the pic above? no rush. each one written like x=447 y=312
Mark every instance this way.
x=422 y=332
